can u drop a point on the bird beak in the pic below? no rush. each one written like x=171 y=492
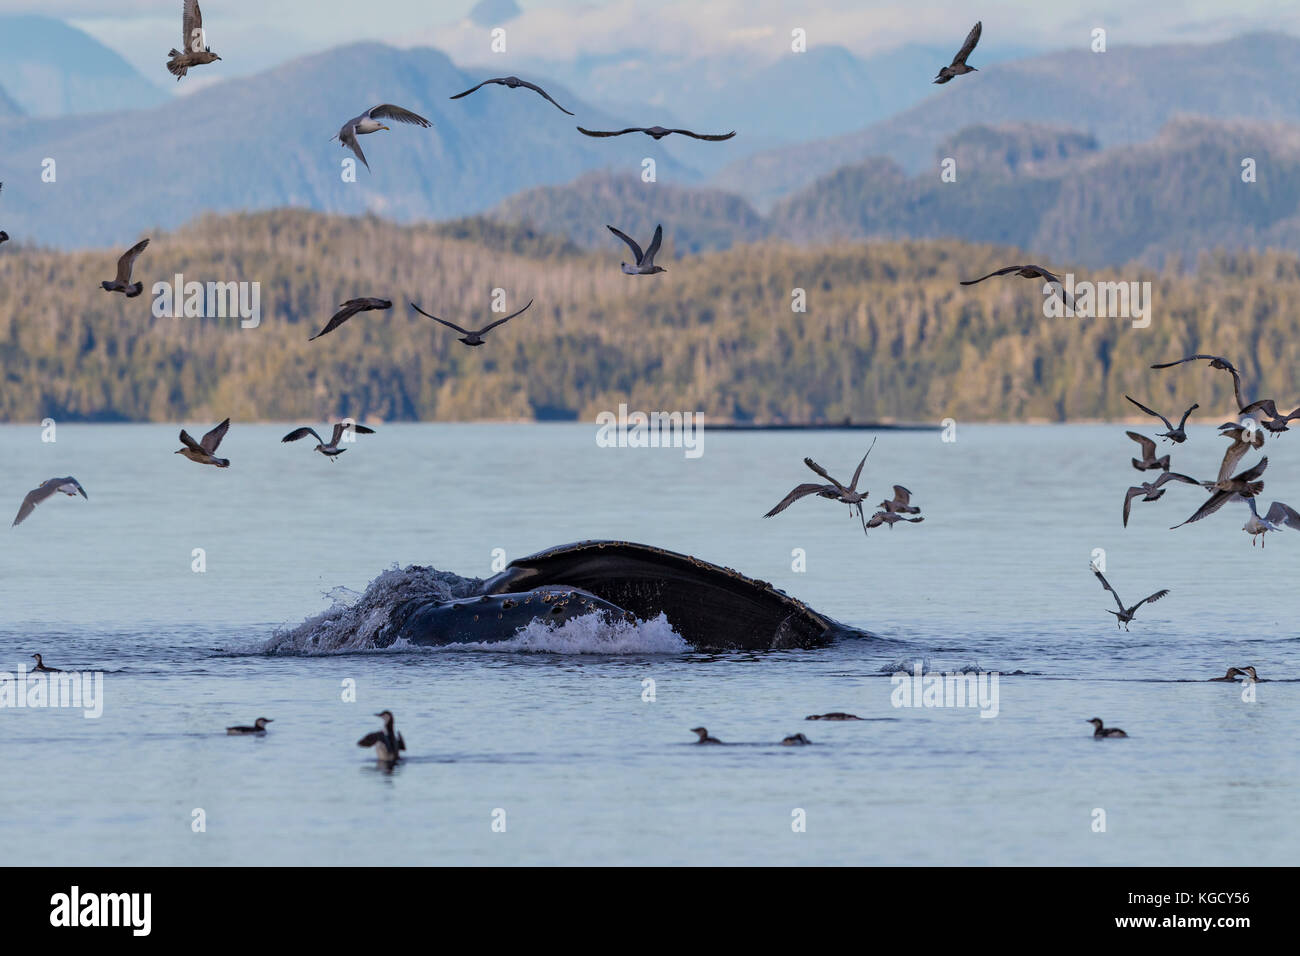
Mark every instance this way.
x=384 y=127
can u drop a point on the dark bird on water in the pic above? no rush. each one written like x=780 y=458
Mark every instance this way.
x=658 y=132
x=41 y=666
x=368 y=122
x=122 y=281
x=703 y=734
x=204 y=451
x=513 y=82
x=644 y=262
x=1029 y=271
x=795 y=740
x=1153 y=490
x=1101 y=731
x=349 y=309
x=1216 y=361
x=1242 y=485
x=259 y=727
x=332 y=449
x=1232 y=675
x=834 y=491
x=1176 y=435
x=1148 y=461
x=1125 y=614
x=388 y=743
x=475 y=337
x=50 y=486
x=193 y=42
x=833 y=715
x=958 y=66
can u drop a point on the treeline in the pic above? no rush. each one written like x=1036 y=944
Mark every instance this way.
x=888 y=333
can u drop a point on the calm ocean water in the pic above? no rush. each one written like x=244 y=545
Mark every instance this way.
x=558 y=736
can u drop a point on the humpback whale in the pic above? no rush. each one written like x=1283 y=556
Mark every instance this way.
x=710 y=606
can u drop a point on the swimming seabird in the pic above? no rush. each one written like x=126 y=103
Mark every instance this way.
x=834 y=491
x=1278 y=516
x=68 y=485
x=1232 y=675
x=1100 y=731
x=1243 y=440
x=704 y=736
x=1148 y=460
x=349 y=309
x=795 y=740
x=658 y=132
x=1176 y=435
x=889 y=518
x=958 y=66
x=1216 y=361
x=900 y=503
x=368 y=122
x=468 y=337
x=41 y=666
x=1152 y=490
x=1250 y=672
x=1125 y=614
x=259 y=727
x=1274 y=422
x=204 y=451
x=645 y=261
x=833 y=715
x=388 y=743
x=1028 y=271
x=122 y=281
x=193 y=42
x=332 y=449
x=513 y=82
x=1242 y=485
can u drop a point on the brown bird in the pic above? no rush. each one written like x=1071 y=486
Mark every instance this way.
x=958 y=66
x=1101 y=731
x=388 y=743
x=1243 y=440
x=1029 y=271
x=1125 y=614
x=349 y=309
x=1148 y=461
x=122 y=281
x=192 y=42
x=1153 y=490
x=834 y=491
x=900 y=503
x=1243 y=485
x=1216 y=361
x=1274 y=422
x=889 y=518
x=476 y=337
x=658 y=132
x=1176 y=435
x=513 y=82
x=204 y=451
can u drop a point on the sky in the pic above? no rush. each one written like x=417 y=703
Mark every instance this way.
x=252 y=35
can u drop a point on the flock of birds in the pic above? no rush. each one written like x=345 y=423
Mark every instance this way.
x=1257 y=417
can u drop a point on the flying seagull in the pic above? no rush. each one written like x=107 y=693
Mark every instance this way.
x=1279 y=516
x=834 y=491
x=1148 y=460
x=1176 y=435
x=331 y=450
x=1243 y=440
x=900 y=503
x=468 y=337
x=958 y=65
x=349 y=309
x=513 y=82
x=68 y=485
x=658 y=132
x=1275 y=423
x=1216 y=361
x=1243 y=485
x=1124 y=614
x=890 y=518
x=192 y=42
x=645 y=261
x=368 y=122
x=1028 y=271
x=204 y=452
x=1153 y=490
x=122 y=281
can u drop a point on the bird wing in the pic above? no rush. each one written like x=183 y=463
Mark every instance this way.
x=800 y=491
x=1265 y=405
x=538 y=89
x=1173 y=476
x=191 y=21
x=369 y=740
x=473 y=88
x=450 y=325
x=396 y=114
x=34 y=498
x=1148 y=444
x=492 y=325
x=1250 y=474
x=125 y=263
x=1128 y=501
x=349 y=309
x=301 y=433
x=997 y=272
x=822 y=471
x=1236 y=451
x=1183 y=421
x=401 y=741
x=212 y=439
x=1150 y=598
x=348 y=137
x=1168 y=423
x=655 y=243
x=339 y=428
x=596 y=132
x=972 y=38
x=1213 y=504
x=710 y=137
x=1106 y=584
x=857 y=472
x=632 y=243
x=189 y=442
x=901 y=495
x=1279 y=513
